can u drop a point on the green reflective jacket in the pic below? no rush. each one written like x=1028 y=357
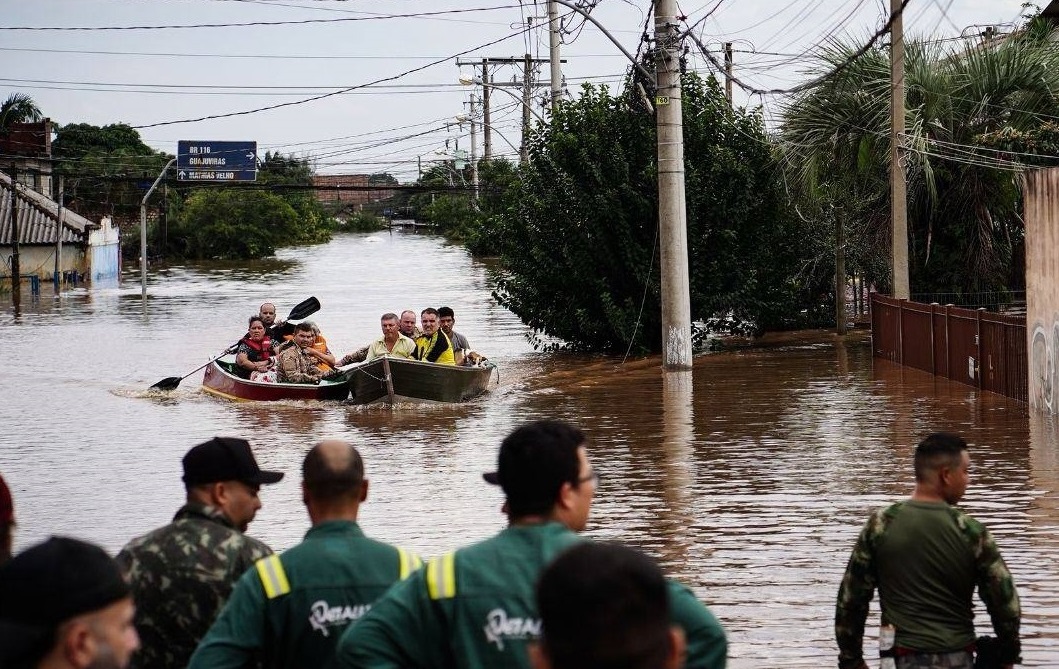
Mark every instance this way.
x=474 y=609
x=290 y=610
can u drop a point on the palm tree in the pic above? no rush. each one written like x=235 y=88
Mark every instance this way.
x=18 y=108
x=964 y=206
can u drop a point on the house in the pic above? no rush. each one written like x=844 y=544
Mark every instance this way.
x=53 y=240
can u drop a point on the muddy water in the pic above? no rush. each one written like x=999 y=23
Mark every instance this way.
x=749 y=478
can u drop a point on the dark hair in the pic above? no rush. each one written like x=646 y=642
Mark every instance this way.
x=253 y=318
x=429 y=310
x=304 y=326
x=604 y=606
x=389 y=316
x=535 y=461
x=331 y=477
x=446 y=311
x=941 y=449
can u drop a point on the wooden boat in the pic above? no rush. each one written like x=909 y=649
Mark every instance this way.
x=220 y=380
x=396 y=380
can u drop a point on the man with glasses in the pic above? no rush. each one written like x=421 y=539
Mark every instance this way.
x=182 y=574
x=475 y=608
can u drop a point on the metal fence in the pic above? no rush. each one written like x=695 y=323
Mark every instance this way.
x=976 y=347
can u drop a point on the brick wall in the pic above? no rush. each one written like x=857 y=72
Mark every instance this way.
x=348 y=189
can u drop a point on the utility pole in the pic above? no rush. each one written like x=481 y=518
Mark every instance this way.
x=840 y=272
x=553 y=53
x=143 y=232
x=486 y=121
x=728 y=72
x=16 y=273
x=672 y=215
x=60 y=215
x=474 y=153
x=898 y=195
x=527 y=88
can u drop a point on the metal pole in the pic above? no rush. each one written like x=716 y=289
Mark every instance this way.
x=728 y=72
x=672 y=215
x=16 y=273
x=60 y=215
x=474 y=153
x=485 y=111
x=143 y=231
x=527 y=72
x=553 y=53
x=840 y=273
x=898 y=196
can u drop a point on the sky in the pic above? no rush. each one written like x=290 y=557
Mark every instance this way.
x=388 y=68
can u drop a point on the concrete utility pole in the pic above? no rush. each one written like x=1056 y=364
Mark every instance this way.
x=527 y=88
x=672 y=215
x=553 y=53
x=898 y=195
x=60 y=215
x=16 y=271
x=486 y=121
x=728 y=72
x=840 y=272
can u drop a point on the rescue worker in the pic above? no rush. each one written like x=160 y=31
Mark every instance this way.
x=474 y=608
x=433 y=345
x=290 y=610
x=605 y=606
x=65 y=605
x=181 y=574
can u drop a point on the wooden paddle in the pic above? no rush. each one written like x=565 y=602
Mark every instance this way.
x=302 y=310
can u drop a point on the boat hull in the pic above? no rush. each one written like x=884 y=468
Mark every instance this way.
x=415 y=381
x=218 y=380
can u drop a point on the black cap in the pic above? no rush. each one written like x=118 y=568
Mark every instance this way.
x=534 y=462
x=225 y=459
x=57 y=580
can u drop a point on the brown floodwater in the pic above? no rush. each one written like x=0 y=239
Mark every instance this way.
x=749 y=478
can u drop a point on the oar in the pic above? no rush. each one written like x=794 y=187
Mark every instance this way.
x=302 y=310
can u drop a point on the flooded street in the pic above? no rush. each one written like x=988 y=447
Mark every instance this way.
x=749 y=478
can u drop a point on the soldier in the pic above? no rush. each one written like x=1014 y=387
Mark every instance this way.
x=475 y=608
x=291 y=610
x=182 y=574
x=605 y=606
x=926 y=557
x=65 y=605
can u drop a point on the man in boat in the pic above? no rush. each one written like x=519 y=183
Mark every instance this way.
x=295 y=361
x=926 y=557
x=65 y=605
x=181 y=574
x=475 y=608
x=274 y=330
x=408 y=325
x=292 y=608
x=392 y=342
x=605 y=605
x=433 y=345
x=7 y=521
x=460 y=345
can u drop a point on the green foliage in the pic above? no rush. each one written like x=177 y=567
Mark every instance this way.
x=579 y=232
x=292 y=179
x=361 y=221
x=234 y=223
x=102 y=166
x=18 y=108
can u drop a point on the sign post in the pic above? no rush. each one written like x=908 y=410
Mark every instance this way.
x=201 y=160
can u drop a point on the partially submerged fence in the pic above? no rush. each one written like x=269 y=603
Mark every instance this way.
x=975 y=347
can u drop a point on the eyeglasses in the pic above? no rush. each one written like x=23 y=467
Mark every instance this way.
x=592 y=475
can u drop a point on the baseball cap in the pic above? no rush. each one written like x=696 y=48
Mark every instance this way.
x=225 y=459
x=534 y=462
x=7 y=507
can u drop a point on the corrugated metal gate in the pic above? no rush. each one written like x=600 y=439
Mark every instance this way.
x=975 y=347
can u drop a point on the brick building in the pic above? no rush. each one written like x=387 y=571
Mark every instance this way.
x=353 y=190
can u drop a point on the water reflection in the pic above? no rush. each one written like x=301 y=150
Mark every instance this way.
x=748 y=477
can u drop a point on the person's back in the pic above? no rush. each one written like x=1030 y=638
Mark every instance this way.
x=182 y=573
x=290 y=610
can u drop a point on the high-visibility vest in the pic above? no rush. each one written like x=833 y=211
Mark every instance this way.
x=441 y=577
x=274 y=578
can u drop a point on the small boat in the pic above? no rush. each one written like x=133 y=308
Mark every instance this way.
x=395 y=380
x=220 y=380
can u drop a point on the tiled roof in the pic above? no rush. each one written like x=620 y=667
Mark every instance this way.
x=38 y=218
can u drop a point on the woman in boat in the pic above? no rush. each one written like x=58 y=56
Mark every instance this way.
x=254 y=350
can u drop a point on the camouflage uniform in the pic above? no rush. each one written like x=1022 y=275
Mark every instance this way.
x=181 y=576
x=977 y=562
x=297 y=366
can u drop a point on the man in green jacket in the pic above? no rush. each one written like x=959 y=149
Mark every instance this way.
x=475 y=608
x=290 y=610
